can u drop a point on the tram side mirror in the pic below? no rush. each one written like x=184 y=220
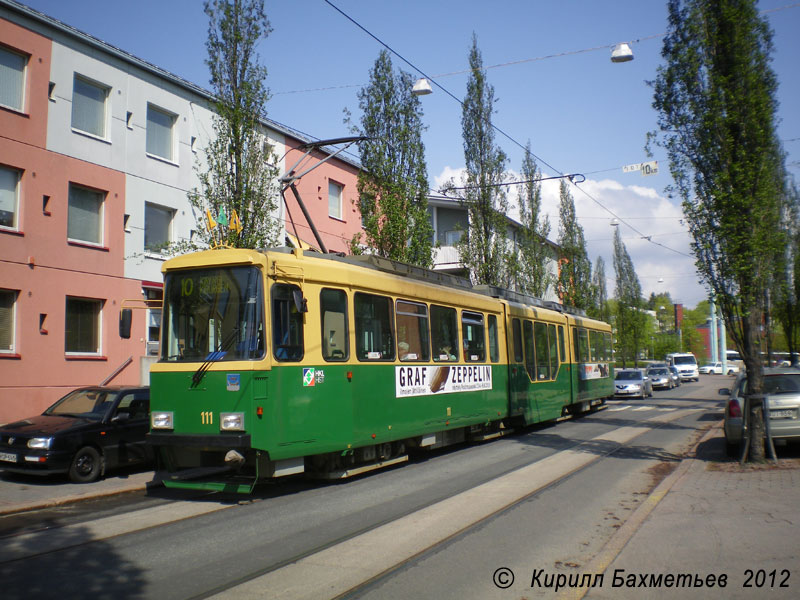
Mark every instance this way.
x=125 y=317
x=299 y=302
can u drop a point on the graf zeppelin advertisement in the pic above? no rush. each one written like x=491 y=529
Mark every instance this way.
x=444 y=379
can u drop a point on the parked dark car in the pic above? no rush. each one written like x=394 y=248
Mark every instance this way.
x=86 y=433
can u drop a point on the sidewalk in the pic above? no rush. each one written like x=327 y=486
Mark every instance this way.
x=710 y=518
x=20 y=493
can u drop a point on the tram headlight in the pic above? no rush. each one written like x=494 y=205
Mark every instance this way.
x=231 y=421
x=161 y=420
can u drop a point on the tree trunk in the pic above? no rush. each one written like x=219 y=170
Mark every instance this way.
x=752 y=360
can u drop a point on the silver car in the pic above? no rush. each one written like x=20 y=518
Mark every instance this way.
x=782 y=389
x=660 y=378
x=632 y=383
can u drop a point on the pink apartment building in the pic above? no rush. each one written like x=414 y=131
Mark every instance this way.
x=97 y=150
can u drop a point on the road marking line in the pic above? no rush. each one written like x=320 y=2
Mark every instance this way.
x=619 y=408
x=349 y=564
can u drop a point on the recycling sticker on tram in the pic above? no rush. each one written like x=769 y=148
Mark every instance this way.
x=444 y=379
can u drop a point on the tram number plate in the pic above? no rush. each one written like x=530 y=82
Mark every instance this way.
x=5 y=456
x=781 y=414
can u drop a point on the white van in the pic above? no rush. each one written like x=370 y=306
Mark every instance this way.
x=686 y=363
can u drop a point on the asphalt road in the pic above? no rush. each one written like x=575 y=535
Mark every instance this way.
x=439 y=526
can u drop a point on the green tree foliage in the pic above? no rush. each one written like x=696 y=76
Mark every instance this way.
x=532 y=275
x=575 y=273
x=631 y=319
x=716 y=102
x=483 y=249
x=599 y=308
x=786 y=292
x=237 y=169
x=393 y=185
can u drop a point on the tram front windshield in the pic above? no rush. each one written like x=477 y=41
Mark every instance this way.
x=213 y=314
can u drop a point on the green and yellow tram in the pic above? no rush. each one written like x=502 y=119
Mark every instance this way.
x=282 y=361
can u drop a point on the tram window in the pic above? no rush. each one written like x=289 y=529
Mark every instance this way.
x=530 y=355
x=374 y=336
x=542 y=351
x=561 y=346
x=412 y=331
x=594 y=346
x=494 y=346
x=583 y=345
x=515 y=326
x=333 y=312
x=551 y=333
x=474 y=337
x=287 y=324
x=444 y=333
x=609 y=347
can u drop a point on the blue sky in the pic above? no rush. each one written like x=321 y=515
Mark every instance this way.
x=549 y=62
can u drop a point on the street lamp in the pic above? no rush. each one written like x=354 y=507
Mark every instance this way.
x=422 y=87
x=622 y=53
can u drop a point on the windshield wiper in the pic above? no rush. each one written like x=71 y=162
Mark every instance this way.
x=213 y=357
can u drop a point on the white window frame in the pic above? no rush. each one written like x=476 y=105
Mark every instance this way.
x=15 y=200
x=98 y=327
x=4 y=68
x=12 y=322
x=100 y=215
x=336 y=185
x=152 y=151
x=103 y=121
x=170 y=229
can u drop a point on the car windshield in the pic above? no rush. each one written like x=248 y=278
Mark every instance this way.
x=658 y=372
x=89 y=404
x=628 y=375
x=684 y=360
x=782 y=384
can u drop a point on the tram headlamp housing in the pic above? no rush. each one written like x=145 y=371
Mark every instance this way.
x=231 y=421
x=161 y=420
x=42 y=443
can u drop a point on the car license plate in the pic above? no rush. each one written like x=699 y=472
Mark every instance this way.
x=7 y=457
x=781 y=414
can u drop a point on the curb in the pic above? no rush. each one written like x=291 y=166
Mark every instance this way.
x=22 y=507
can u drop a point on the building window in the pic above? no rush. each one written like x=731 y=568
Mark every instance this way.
x=8 y=299
x=159 y=132
x=85 y=220
x=82 y=331
x=89 y=107
x=335 y=200
x=157 y=227
x=9 y=197
x=12 y=79
x=154 y=297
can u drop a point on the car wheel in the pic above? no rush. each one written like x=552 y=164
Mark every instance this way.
x=87 y=464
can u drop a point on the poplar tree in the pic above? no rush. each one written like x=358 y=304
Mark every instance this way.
x=237 y=169
x=575 y=272
x=716 y=102
x=483 y=248
x=599 y=308
x=630 y=316
x=393 y=185
x=533 y=274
